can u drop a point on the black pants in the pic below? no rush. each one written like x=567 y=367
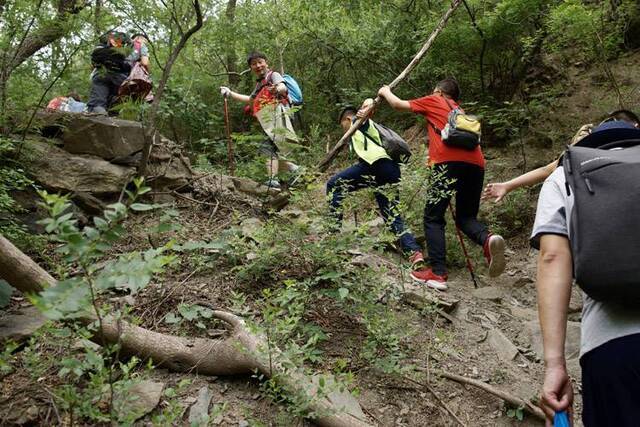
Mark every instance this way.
x=104 y=89
x=467 y=184
x=611 y=383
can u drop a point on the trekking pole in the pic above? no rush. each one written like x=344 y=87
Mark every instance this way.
x=230 y=157
x=464 y=248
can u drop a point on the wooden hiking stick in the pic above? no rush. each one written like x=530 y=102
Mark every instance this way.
x=464 y=248
x=230 y=158
x=324 y=164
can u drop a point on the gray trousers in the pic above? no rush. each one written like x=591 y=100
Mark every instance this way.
x=104 y=89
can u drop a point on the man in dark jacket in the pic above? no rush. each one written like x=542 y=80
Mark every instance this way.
x=111 y=68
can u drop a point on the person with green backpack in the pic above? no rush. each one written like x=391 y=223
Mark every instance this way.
x=455 y=154
x=377 y=168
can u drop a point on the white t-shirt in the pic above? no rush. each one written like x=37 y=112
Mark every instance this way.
x=601 y=322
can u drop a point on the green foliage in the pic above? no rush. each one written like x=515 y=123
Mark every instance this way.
x=92 y=390
x=12 y=178
x=516 y=413
x=584 y=29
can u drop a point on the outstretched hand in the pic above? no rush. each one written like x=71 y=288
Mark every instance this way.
x=495 y=191
x=225 y=91
x=556 y=394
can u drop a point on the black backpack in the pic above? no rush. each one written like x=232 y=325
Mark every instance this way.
x=604 y=224
x=395 y=146
x=112 y=58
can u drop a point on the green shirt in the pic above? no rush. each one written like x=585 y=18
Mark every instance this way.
x=368 y=148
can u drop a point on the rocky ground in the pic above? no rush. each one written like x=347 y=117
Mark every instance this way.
x=488 y=334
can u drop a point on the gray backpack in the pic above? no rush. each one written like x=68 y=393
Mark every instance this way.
x=605 y=220
x=395 y=146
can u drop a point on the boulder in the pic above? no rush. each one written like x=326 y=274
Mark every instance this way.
x=138 y=400
x=199 y=411
x=102 y=136
x=571 y=345
x=502 y=345
x=173 y=173
x=57 y=170
x=21 y=325
x=253 y=188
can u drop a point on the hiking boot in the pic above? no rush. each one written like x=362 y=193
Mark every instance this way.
x=417 y=260
x=494 y=253
x=98 y=111
x=430 y=278
x=273 y=183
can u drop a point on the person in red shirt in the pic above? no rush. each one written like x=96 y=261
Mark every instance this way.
x=463 y=173
x=268 y=103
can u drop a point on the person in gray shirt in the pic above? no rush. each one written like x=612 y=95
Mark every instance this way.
x=610 y=333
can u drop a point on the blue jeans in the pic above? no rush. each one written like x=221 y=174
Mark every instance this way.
x=363 y=175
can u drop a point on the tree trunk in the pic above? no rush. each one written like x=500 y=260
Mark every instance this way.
x=243 y=352
x=32 y=43
x=232 y=57
x=150 y=131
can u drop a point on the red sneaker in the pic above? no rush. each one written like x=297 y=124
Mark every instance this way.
x=494 y=253
x=417 y=260
x=431 y=279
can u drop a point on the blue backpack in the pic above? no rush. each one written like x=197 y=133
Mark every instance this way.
x=293 y=88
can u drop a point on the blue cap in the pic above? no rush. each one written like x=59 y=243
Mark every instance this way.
x=607 y=132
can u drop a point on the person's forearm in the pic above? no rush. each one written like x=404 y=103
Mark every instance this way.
x=397 y=103
x=144 y=61
x=554 y=280
x=239 y=97
x=533 y=177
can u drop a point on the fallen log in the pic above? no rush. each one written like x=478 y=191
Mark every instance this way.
x=242 y=352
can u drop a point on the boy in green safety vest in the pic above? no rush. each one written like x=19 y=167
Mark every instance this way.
x=374 y=169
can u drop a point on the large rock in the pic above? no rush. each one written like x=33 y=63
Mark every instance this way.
x=199 y=412
x=571 y=345
x=58 y=170
x=101 y=136
x=502 y=345
x=20 y=326
x=174 y=173
x=138 y=400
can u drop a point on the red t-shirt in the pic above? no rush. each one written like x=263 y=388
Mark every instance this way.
x=435 y=110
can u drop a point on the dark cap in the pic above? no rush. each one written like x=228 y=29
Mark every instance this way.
x=346 y=109
x=610 y=131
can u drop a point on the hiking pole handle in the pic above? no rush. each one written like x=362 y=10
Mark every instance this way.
x=324 y=164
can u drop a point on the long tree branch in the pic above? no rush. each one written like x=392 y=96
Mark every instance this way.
x=416 y=59
x=26 y=32
x=46 y=35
